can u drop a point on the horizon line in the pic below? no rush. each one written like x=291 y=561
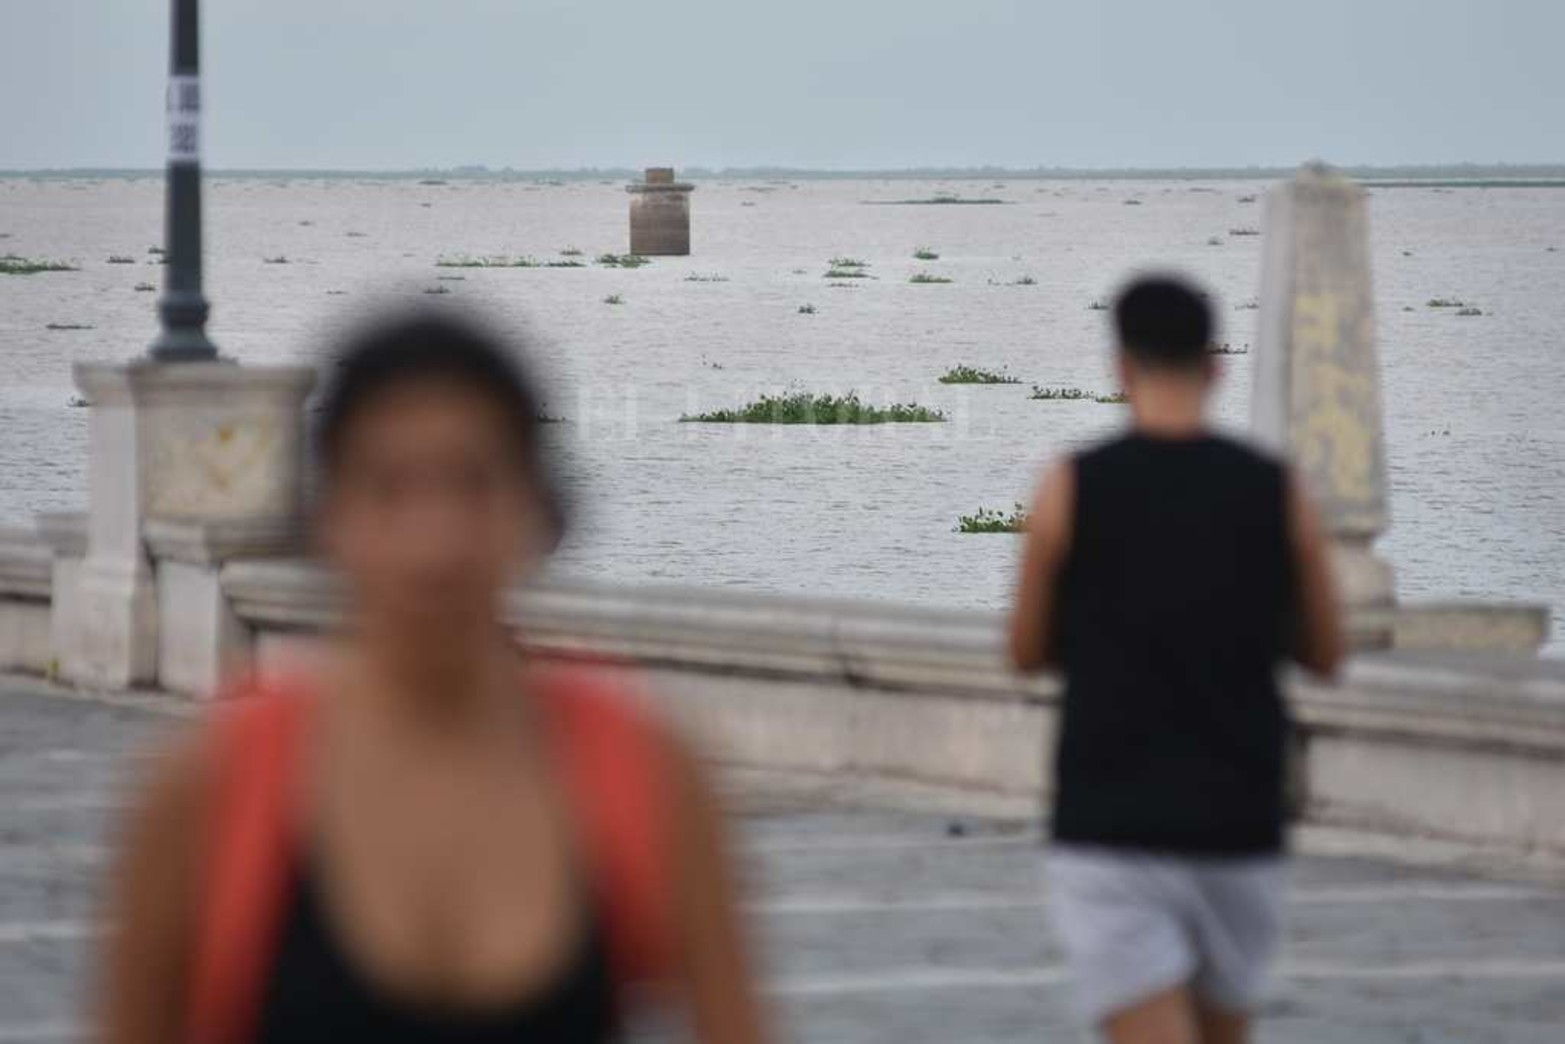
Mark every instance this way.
x=1468 y=169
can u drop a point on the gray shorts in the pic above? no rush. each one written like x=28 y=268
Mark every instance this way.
x=1137 y=923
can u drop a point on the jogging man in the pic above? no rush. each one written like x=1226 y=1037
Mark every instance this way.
x=1167 y=573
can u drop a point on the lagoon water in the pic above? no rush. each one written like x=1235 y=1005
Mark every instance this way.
x=1476 y=436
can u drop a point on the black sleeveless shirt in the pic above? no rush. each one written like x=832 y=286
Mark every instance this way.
x=317 y=996
x=1174 y=610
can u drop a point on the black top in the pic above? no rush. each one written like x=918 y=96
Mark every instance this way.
x=1174 y=609
x=317 y=995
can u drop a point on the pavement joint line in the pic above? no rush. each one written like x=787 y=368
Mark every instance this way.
x=25 y=1032
x=890 y=842
x=959 y=902
x=49 y=931
x=88 y=854
x=67 y=803
x=153 y=702
x=922 y=978
x=70 y=930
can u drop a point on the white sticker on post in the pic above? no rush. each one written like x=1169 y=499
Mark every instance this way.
x=184 y=119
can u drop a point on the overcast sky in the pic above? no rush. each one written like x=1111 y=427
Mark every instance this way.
x=807 y=83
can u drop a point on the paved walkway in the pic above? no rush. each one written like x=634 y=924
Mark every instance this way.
x=878 y=926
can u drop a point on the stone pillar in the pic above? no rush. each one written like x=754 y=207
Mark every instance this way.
x=65 y=534
x=660 y=214
x=115 y=644
x=190 y=463
x=1317 y=378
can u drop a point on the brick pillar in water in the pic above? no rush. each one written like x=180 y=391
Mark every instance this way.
x=660 y=214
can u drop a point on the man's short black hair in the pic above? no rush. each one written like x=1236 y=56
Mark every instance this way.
x=1164 y=321
x=441 y=348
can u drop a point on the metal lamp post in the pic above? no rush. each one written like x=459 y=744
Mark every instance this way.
x=183 y=308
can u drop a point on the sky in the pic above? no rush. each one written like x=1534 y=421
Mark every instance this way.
x=831 y=84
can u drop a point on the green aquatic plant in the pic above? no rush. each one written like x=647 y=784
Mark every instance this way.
x=1025 y=280
x=622 y=260
x=570 y=252
x=808 y=408
x=925 y=254
x=696 y=277
x=1058 y=394
x=847 y=262
x=144 y=288
x=1469 y=311
x=941 y=200
x=1246 y=231
x=614 y=299
x=567 y=263
x=466 y=261
x=121 y=259
x=927 y=278
x=963 y=374
x=847 y=273
x=437 y=290
x=67 y=326
x=1445 y=302
x=990 y=520
x=11 y=264
x=1112 y=399
x=806 y=309
x=278 y=260
x=1097 y=306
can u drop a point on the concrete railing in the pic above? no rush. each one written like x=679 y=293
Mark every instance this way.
x=1468 y=746
x=26 y=570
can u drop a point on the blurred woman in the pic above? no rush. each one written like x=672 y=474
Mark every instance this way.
x=426 y=836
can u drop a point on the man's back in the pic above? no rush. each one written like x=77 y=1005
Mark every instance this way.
x=1167 y=573
x=1174 y=609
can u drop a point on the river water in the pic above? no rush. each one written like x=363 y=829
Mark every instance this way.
x=1475 y=435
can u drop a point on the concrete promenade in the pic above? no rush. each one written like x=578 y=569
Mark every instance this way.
x=882 y=917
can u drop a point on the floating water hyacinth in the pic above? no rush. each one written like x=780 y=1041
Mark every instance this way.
x=973 y=375
x=11 y=264
x=989 y=520
x=808 y=408
x=1058 y=394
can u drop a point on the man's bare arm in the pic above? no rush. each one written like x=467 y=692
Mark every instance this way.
x=1048 y=540
x=1318 y=641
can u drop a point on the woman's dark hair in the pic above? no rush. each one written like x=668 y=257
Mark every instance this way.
x=1164 y=321
x=441 y=348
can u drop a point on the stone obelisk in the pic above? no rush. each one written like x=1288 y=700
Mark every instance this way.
x=1317 y=378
